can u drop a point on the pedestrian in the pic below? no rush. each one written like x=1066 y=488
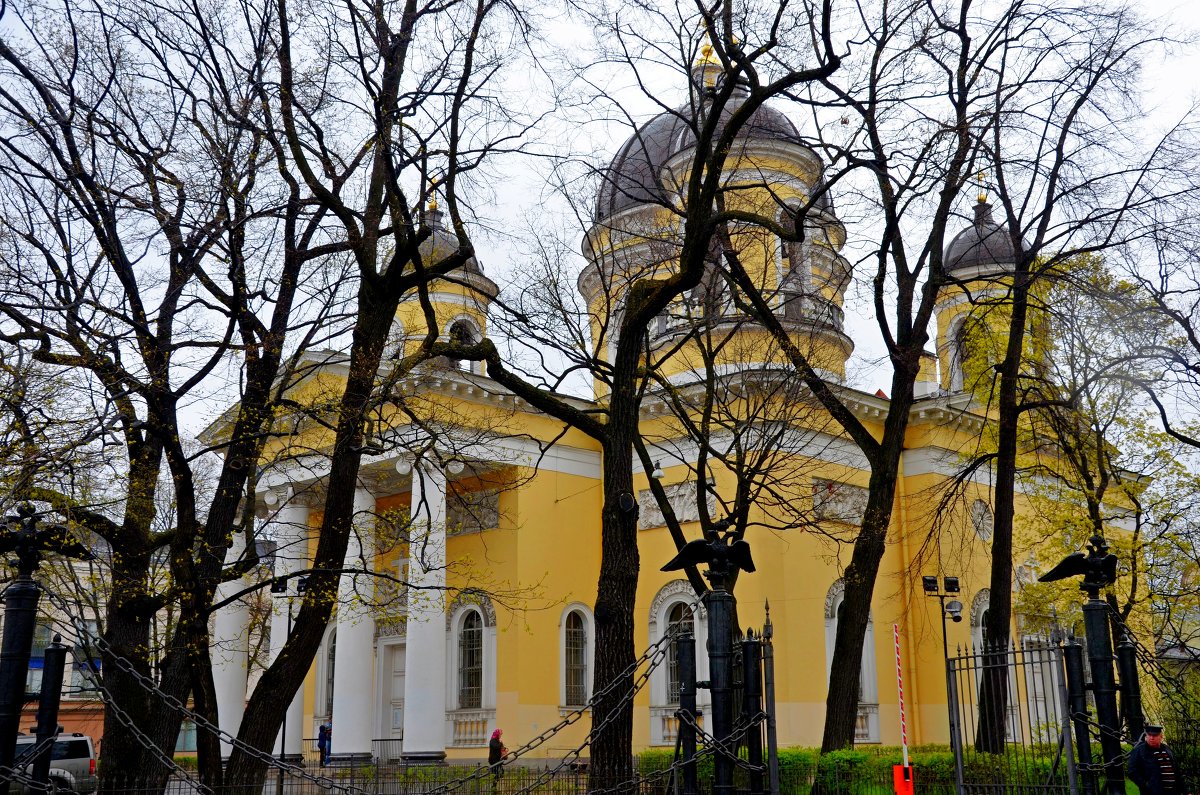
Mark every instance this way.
x=496 y=754
x=1153 y=768
x=325 y=741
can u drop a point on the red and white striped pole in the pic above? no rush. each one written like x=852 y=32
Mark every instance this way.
x=900 y=688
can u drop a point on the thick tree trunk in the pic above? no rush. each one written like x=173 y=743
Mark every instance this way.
x=616 y=590
x=131 y=707
x=267 y=705
x=993 y=696
x=841 y=704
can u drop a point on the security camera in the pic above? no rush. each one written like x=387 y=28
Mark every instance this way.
x=954 y=608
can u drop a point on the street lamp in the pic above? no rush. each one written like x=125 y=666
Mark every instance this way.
x=28 y=539
x=953 y=610
x=279 y=589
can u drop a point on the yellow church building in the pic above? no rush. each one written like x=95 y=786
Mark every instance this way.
x=495 y=518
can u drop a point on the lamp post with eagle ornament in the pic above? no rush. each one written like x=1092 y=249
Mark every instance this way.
x=23 y=536
x=725 y=554
x=1099 y=570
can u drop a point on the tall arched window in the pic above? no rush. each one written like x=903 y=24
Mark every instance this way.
x=867 y=726
x=575 y=660
x=679 y=621
x=958 y=356
x=462 y=333
x=330 y=657
x=470 y=661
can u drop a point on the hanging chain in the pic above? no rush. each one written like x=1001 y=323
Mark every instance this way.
x=653 y=655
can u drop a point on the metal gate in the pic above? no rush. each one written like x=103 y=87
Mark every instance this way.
x=1035 y=754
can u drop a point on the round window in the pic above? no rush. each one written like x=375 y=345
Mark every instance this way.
x=981 y=519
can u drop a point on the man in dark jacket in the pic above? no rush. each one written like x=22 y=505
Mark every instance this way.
x=1153 y=768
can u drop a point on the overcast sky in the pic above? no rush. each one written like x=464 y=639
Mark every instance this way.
x=1171 y=83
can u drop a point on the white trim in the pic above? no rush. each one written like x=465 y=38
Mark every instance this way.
x=671 y=594
x=321 y=694
x=589 y=627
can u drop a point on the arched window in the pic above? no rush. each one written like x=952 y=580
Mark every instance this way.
x=575 y=660
x=867 y=726
x=674 y=606
x=958 y=356
x=679 y=621
x=979 y=613
x=979 y=636
x=330 y=657
x=470 y=661
x=462 y=333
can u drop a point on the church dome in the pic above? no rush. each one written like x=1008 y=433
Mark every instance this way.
x=984 y=244
x=632 y=177
x=443 y=242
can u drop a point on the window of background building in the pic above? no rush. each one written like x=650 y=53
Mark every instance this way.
x=43 y=634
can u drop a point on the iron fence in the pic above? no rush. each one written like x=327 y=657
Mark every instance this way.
x=382 y=779
x=1028 y=696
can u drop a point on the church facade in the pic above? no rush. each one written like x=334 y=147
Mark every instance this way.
x=495 y=520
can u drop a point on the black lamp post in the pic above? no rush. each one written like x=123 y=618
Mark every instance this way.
x=1099 y=570
x=22 y=535
x=724 y=553
x=953 y=609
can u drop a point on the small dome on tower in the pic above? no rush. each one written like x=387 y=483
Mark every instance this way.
x=985 y=244
x=443 y=242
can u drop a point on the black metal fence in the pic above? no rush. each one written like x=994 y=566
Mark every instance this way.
x=382 y=779
x=1035 y=754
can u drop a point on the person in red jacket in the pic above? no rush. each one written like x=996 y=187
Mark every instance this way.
x=496 y=754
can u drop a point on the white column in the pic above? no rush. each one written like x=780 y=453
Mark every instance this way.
x=290 y=530
x=425 y=662
x=353 y=683
x=231 y=649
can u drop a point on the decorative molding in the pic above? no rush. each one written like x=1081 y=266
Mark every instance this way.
x=681 y=496
x=834 y=501
x=468 y=599
x=833 y=596
x=674 y=591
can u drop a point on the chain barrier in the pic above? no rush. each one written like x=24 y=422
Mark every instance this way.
x=18 y=774
x=148 y=684
x=653 y=655
x=729 y=746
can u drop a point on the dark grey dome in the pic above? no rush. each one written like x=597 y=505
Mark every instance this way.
x=443 y=242
x=632 y=177
x=984 y=243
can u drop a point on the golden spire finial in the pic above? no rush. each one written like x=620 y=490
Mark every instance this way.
x=433 y=204
x=982 y=197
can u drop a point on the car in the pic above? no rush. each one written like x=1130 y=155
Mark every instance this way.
x=72 y=761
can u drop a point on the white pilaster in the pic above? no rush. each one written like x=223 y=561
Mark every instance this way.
x=425 y=664
x=231 y=649
x=353 y=682
x=289 y=526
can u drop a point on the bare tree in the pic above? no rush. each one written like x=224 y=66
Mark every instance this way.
x=180 y=184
